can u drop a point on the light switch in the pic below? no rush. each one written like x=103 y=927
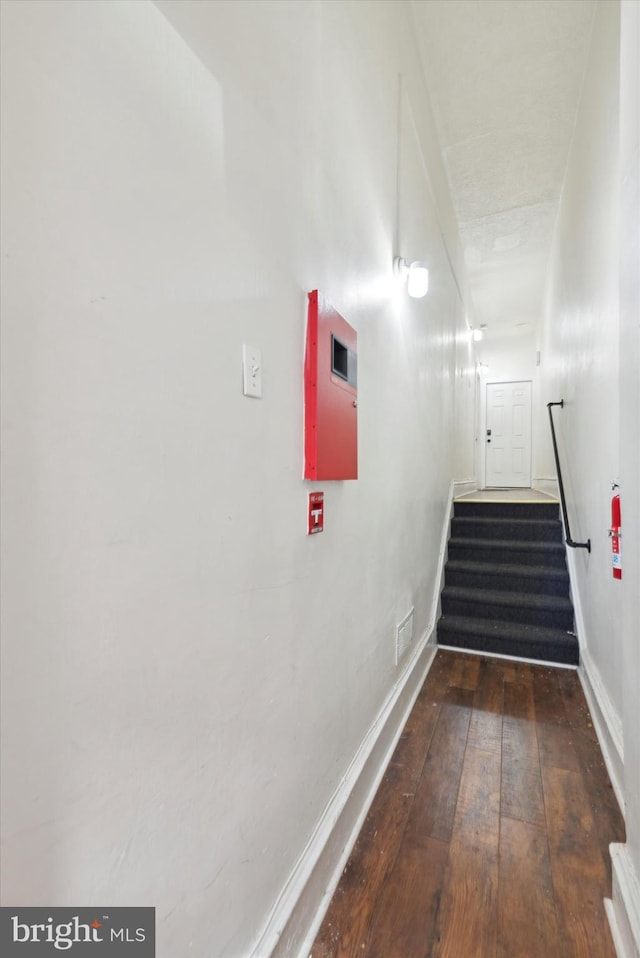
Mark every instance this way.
x=251 y=372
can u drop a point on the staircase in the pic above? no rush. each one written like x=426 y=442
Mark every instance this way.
x=506 y=582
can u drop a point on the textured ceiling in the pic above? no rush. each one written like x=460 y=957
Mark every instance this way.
x=505 y=78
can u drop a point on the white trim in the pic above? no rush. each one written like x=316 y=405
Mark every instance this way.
x=546 y=484
x=442 y=559
x=623 y=909
x=298 y=912
x=606 y=721
x=460 y=487
x=300 y=908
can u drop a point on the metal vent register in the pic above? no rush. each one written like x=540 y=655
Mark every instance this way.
x=404 y=635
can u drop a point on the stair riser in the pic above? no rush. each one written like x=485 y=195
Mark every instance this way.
x=550 y=557
x=547 y=618
x=494 y=580
x=505 y=530
x=506 y=510
x=529 y=650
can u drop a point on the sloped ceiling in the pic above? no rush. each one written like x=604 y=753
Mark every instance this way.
x=505 y=78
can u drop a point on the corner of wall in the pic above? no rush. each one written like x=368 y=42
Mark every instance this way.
x=623 y=908
x=546 y=484
x=461 y=487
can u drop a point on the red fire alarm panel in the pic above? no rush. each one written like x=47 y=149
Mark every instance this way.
x=315 y=516
x=331 y=394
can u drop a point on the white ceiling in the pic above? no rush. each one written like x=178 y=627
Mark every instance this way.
x=505 y=78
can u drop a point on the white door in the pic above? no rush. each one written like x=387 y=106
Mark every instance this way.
x=508 y=435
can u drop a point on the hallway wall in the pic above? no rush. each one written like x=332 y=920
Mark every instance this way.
x=580 y=343
x=626 y=894
x=590 y=358
x=187 y=675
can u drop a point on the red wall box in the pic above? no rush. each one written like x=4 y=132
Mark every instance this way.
x=330 y=394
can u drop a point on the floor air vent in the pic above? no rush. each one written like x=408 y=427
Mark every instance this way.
x=404 y=635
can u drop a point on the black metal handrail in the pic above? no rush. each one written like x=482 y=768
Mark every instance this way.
x=565 y=515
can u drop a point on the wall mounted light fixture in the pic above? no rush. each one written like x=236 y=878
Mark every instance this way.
x=478 y=332
x=416 y=274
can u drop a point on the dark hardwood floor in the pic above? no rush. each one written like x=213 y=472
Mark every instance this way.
x=489 y=834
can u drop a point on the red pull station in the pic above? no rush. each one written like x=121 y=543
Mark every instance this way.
x=315 y=517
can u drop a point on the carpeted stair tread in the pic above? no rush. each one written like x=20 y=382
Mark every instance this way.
x=506 y=629
x=523 y=608
x=509 y=638
x=505 y=546
x=503 y=597
x=510 y=528
x=513 y=568
x=507 y=569
x=522 y=510
x=515 y=521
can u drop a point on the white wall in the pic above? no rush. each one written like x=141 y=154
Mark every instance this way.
x=591 y=358
x=630 y=392
x=466 y=411
x=580 y=343
x=627 y=863
x=187 y=675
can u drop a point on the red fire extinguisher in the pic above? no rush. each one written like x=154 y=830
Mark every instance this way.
x=616 y=534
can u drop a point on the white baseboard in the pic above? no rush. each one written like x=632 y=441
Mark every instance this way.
x=606 y=722
x=298 y=915
x=462 y=487
x=301 y=906
x=623 y=909
x=546 y=484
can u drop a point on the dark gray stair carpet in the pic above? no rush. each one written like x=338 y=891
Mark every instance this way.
x=506 y=582
x=522 y=607
x=530 y=530
x=507 y=510
x=496 y=550
x=505 y=638
x=508 y=575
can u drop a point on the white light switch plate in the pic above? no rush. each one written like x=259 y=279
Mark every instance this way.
x=251 y=372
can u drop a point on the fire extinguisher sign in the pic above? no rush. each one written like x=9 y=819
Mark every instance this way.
x=315 y=513
x=616 y=535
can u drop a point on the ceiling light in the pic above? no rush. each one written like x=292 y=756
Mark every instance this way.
x=416 y=274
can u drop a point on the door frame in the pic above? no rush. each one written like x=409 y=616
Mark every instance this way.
x=482 y=437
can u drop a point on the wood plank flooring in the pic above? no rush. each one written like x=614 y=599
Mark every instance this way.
x=489 y=834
